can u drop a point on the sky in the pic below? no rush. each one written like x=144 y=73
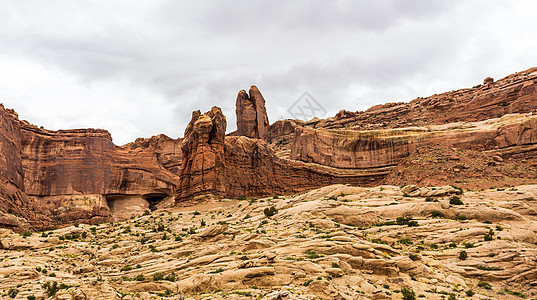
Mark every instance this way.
x=139 y=68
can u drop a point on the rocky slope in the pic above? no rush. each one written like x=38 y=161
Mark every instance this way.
x=337 y=242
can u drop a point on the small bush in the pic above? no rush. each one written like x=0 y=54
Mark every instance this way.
x=170 y=277
x=468 y=245
x=12 y=292
x=31 y=297
x=307 y=283
x=462 y=218
x=455 y=201
x=139 y=277
x=485 y=285
x=489 y=236
x=312 y=255
x=405 y=241
x=413 y=257
x=437 y=214
x=158 y=276
x=408 y=294
x=463 y=255
x=430 y=199
x=413 y=223
x=518 y=294
x=470 y=293
x=270 y=211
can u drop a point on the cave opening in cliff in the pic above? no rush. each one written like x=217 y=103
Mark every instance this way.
x=154 y=199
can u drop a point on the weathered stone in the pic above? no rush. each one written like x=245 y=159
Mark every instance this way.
x=252 y=120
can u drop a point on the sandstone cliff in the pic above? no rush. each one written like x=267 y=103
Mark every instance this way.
x=382 y=148
x=70 y=175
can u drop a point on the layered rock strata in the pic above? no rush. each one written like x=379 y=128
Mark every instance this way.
x=202 y=171
x=382 y=148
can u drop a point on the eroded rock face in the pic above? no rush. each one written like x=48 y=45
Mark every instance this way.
x=252 y=119
x=383 y=148
x=202 y=171
x=252 y=168
x=49 y=176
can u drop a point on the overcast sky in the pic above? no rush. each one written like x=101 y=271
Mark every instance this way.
x=139 y=68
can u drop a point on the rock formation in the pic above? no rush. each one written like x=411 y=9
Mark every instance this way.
x=252 y=120
x=67 y=175
x=382 y=148
x=202 y=171
x=50 y=177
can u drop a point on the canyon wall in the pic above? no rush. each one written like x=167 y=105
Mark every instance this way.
x=382 y=148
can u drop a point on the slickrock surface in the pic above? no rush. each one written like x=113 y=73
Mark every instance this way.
x=337 y=242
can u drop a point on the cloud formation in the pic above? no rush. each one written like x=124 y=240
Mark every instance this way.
x=139 y=68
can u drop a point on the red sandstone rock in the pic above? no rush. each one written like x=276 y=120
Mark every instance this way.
x=43 y=172
x=252 y=120
x=202 y=171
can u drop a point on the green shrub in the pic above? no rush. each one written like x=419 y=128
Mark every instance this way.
x=489 y=236
x=312 y=255
x=170 y=277
x=468 y=245
x=51 y=288
x=462 y=218
x=413 y=257
x=406 y=241
x=437 y=214
x=139 y=277
x=463 y=255
x=454 y=200
x=485 y=285
x=31 y=297
x=12 y=292
x=518 y=294
x=408 y=294
x=158 y=276
x=470 y=293
x=270 y=211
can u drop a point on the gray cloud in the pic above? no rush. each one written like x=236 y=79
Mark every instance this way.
x=139 y=68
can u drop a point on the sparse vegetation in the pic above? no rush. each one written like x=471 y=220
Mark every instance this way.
x=270 y=211
x=455 y=200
